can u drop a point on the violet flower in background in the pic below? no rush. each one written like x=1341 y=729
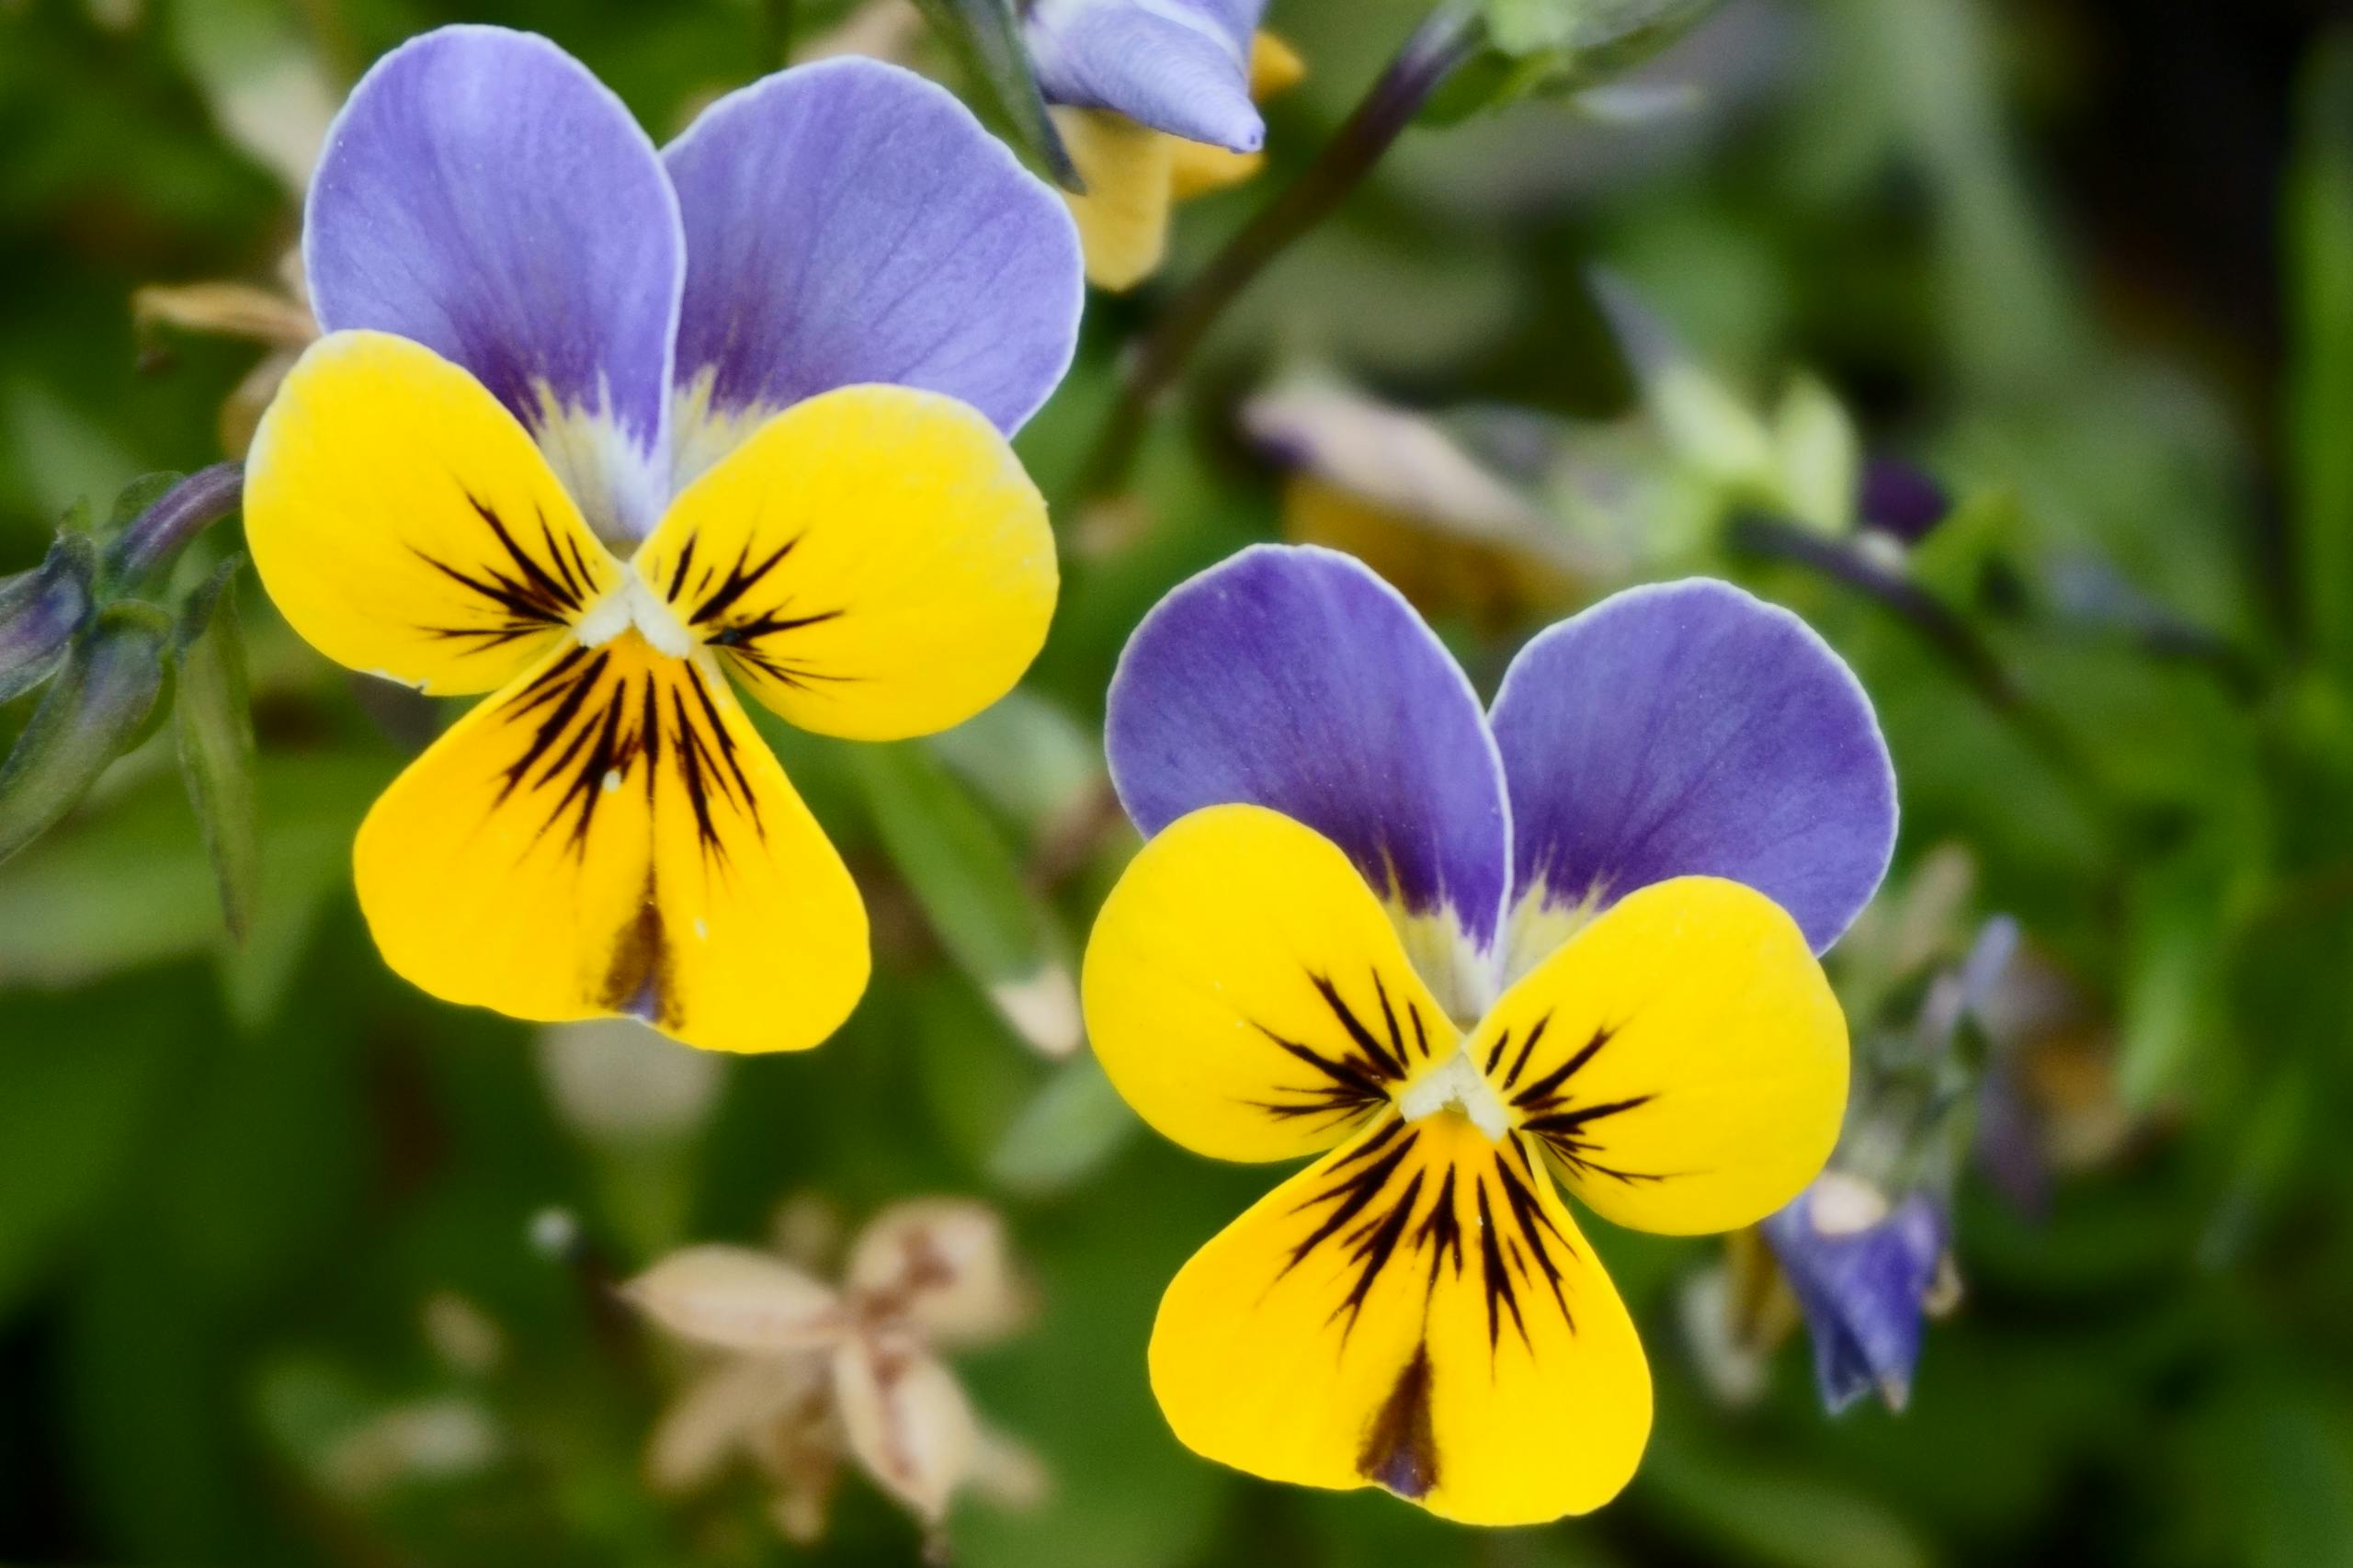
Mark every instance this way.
x=1177 y=66
x=1865 y=1274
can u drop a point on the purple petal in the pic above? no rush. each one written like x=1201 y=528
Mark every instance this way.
x=1181 y=66
x=1293 y=678
x=1689 y=728
x=1863 y=1293
x=849 y=222
x=485 y=196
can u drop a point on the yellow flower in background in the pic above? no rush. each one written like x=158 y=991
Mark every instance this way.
x=577 y=438
x=1155 y=105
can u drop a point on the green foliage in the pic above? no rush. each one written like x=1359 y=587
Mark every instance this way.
x=279 y=1279
x=212 y=704
x=984 y=37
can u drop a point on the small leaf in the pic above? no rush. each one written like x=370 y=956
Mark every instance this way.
x=212 y=707
x=737 y=1299
x=1820 y=458
x=42 y=610
x=961 y=870
x=1552 y=47
x=138 y=496
x=985 y=38
x=1073 y=1126
x=90 y=714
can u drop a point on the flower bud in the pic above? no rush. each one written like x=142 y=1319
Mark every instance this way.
x=1863 y=1273
x=41 y=610
x=90 y=714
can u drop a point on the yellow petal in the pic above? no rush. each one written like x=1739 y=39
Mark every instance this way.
x=406 y=525
x=1246 y=992
x=1416 y=1311
x=872 y=563
x=1275 y=66
x=609 y=836
x=1123 y=216
x=1681 y=1059
x=1197 y=168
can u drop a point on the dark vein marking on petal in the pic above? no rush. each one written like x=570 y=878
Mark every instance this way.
x=1400 y=1449
x=1545 y=1087
x=639 y=980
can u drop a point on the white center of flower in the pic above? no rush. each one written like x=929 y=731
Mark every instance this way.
x=1457 y=1083
x=634 y=604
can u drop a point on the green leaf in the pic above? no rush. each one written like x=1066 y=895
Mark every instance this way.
x=212 y=709
x=128 y=886
x=985 y=38
x=1069 y=1129
x=135 y=498
x=2173 y=973
x=1550 y=47
x=90 y=714
x=2318 y=215
x=964 y=874
x=1027 y=759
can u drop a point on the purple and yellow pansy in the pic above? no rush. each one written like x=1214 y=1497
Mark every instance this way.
x=1157 y=103
x=606 y=432
x=1467 y=957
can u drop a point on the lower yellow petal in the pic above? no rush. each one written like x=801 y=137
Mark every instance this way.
x=406 y=526
x=1122 y=215
x=609 y=836
x=1416 y=1311
x=1682 y=1059
x=871 y=562
x=1246 y=993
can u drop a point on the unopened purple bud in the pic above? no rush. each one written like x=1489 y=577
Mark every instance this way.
x=41 y=610
x=90 y=714
x=1897 y=498
x=155 y=538
x=1863 y=1273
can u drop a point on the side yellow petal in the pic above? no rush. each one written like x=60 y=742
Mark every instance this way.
x=1122 y=215
x=1247 y=994
x=1682 y=1059
x=872 y=563
x=406 y=525
x=609 y=836
x=1417 y=1312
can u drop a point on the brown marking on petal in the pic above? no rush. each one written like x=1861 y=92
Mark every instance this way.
x=639 y=980
x=1400 y=1451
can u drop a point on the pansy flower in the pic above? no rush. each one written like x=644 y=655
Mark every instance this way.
x=1156 y=102
x=1467 y=958
x=606 y=432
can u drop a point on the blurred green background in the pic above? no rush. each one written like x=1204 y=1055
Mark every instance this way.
x=298 y=1265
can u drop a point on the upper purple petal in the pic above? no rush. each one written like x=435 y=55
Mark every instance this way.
x=1291 y=678
x=1181 y=66
x=1691 y=728
x=849 y=222
x=485 y=196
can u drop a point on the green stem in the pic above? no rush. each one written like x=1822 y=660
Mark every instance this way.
x=1448 y=36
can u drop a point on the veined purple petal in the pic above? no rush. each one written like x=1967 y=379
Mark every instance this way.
x=1291 y=678
x=1691 y=728
x=485 y=196
x=849 y=222
x=1181 y=66
x=1863 y=1293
